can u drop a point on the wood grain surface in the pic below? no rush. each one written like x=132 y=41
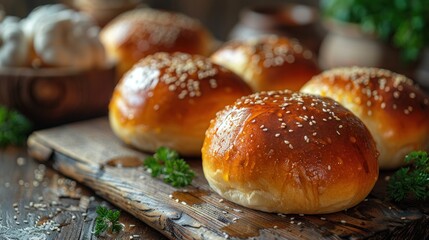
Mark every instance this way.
x=89 y=153
x=38 y=203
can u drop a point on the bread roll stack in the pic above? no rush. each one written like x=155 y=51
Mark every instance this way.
x=287 y=152
x=393 y=108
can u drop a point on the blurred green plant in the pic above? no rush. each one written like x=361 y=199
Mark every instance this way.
x=404 y=23
x=14 y=127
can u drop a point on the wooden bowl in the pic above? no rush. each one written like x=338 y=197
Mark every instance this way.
x=54 y=96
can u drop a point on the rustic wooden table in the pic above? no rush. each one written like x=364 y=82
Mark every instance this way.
x=37 y=202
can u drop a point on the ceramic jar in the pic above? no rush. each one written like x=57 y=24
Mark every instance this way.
x=291 y=20
x=347 y=45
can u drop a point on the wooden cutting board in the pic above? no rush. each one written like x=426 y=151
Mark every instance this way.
x=89 y=153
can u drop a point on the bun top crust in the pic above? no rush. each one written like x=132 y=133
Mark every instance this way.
x=394 y=109
x=269 y=62
x=311 y=154
x=169 y=100
x=141 y=32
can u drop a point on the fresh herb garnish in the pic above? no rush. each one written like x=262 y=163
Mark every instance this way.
x=14 y=127
x=107 y=220
x=167 y=164
x=411 y=180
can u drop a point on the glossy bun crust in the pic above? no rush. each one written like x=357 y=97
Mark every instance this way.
x=289 y=153
x=269 y=62
x=141 y=32
x=169 y=100
x=395 y=111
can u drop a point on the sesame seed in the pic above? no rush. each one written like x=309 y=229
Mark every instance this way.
x=369 y=103
x=290 y=146
x=307 y=54
x=286 y=141
x=396 y=94
x=277 y=135
x=262 y=126
x=343 y=221
x=338 y=133
x=265 y=129
x=329 y=167
x=213 y=83
x=20 y=161
x=253 y=121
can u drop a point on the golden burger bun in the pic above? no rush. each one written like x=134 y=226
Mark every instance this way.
x=289 y=152
x=395 y=111
x=169 y=100
x=269 y=62
x=138 y=33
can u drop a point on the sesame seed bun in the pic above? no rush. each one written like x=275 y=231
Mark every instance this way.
x=395 y=111
x=289 y=152
x=169 y=99
x=138 y=33
x=269 y=62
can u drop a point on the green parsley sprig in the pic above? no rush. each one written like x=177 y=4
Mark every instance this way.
x=411 y=180
x=167 y=165
x=107 y=220
x=14 y=127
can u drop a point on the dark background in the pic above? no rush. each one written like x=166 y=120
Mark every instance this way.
x=218 y=15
